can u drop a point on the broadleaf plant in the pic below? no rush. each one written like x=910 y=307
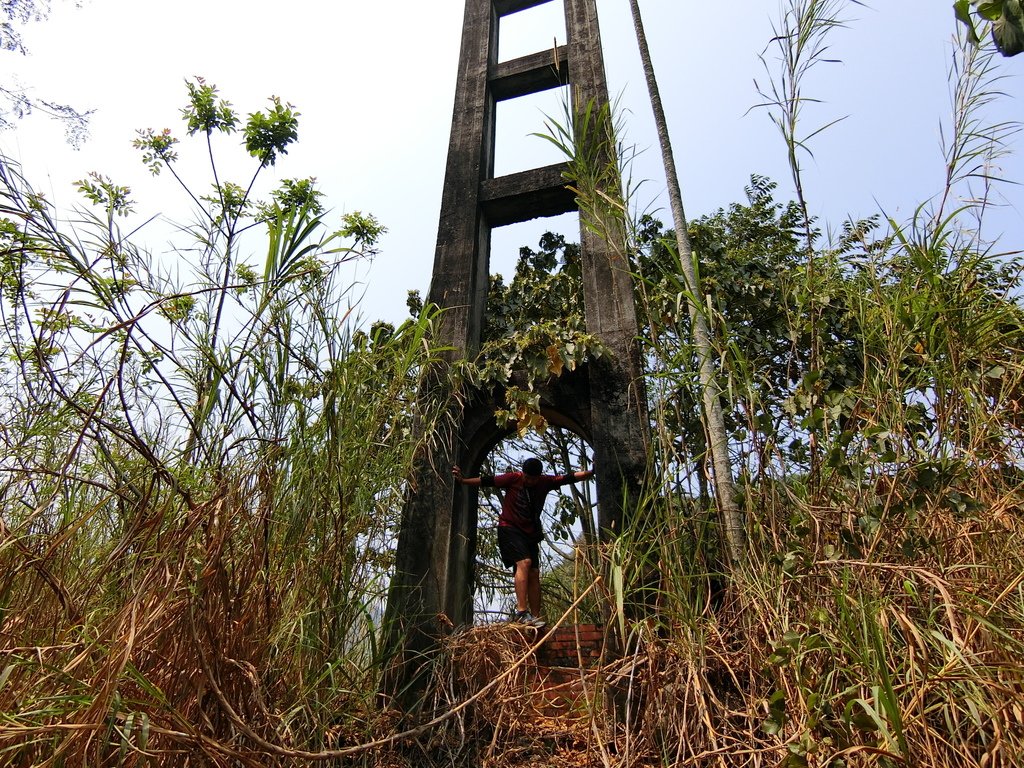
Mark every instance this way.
x=1006 y=18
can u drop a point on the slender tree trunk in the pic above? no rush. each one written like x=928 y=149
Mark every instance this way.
x=589 y=530
x=714 y=419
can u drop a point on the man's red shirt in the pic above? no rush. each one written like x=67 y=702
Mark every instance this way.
x=524 y=499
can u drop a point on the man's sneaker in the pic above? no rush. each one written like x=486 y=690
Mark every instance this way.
x=527 y=618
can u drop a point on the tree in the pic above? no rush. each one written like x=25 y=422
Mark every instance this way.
x=749 y=258
x=711 y=390
x=15 y=101
x=535 y=329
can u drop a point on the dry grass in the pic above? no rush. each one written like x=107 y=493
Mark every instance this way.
x=178 y=633
x=513 y=722
x=906 y=658
x=193 y=544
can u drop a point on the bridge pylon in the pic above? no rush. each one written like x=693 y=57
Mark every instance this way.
x=603 y=401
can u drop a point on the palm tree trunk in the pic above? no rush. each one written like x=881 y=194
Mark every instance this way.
x=714 y=419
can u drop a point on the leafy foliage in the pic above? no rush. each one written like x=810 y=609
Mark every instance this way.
x=1004 y=17
x=534 y=329
x=202 y=470
x=17 y=104
x=268 y=135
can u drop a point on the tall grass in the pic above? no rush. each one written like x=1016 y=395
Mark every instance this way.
x=876 y=622
x=202 y=475
x=201 y=479
x=878 y=619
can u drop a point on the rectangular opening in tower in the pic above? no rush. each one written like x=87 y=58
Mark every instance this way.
x=535 y=29
x=506 y=242
x=517 y=148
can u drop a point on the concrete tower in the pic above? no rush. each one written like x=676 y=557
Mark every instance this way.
x=604 y=401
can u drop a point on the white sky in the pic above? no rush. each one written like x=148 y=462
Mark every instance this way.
x=375 y=81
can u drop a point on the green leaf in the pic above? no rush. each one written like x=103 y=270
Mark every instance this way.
x=991 y=10
x=126 y=735
x=793 y=759
x=861 y=715
x=995 y=372
x=776 y=719
x=269 y=134
x=1008 y=29
x=205 y=113
x=144 y=732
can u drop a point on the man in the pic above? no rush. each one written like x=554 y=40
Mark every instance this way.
x=519 y=527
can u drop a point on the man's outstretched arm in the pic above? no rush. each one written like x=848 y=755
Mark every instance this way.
x=575 y=477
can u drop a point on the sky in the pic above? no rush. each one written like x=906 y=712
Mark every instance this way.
x=375 y=83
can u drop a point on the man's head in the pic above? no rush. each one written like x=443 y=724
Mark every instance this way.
x=532 y=467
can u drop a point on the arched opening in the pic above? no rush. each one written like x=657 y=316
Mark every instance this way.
x=569 y=522
x=483 y=590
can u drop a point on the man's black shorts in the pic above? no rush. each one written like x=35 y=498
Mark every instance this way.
x=514 y=546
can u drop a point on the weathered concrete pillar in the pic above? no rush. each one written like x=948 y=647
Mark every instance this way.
x=618 y=397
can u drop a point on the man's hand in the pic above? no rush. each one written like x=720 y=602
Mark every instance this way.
x=457 y=474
